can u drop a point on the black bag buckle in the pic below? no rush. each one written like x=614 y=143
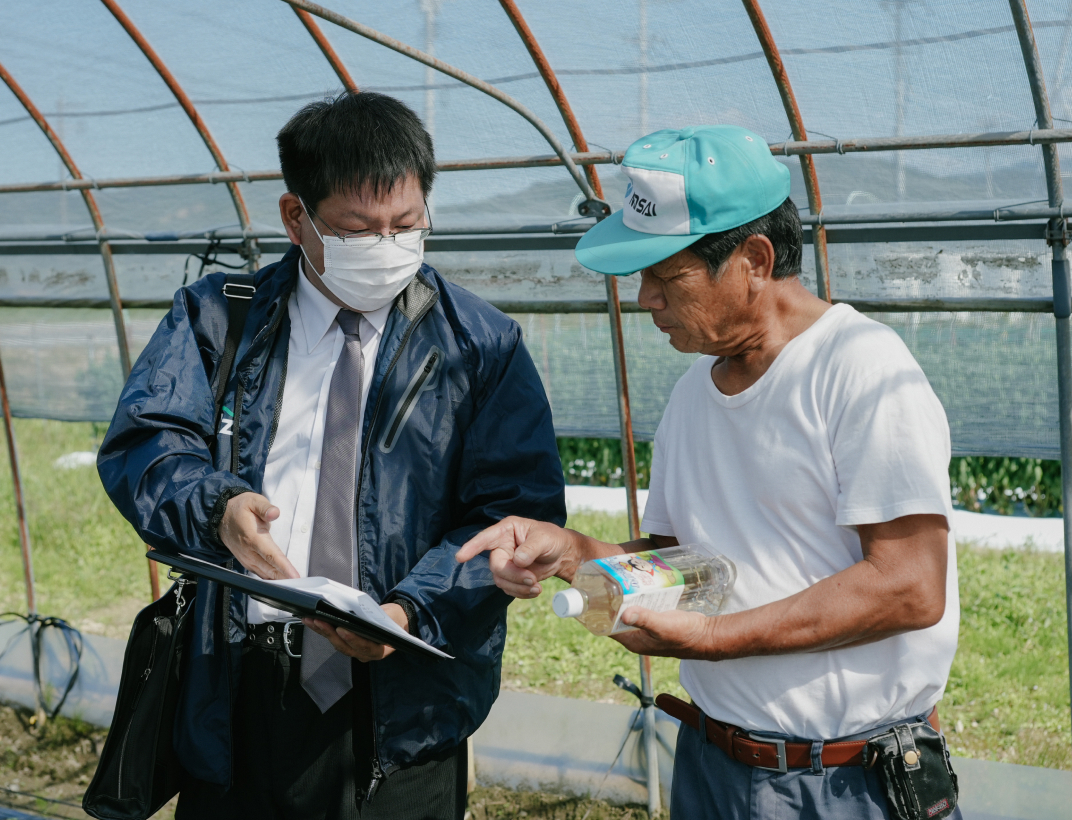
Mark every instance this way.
x=779 y=750
x=286 y=637
x=230 y=287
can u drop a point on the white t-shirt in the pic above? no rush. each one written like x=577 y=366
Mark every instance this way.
x=843 y=429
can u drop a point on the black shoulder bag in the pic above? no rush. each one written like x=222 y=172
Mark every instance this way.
x=138 y=770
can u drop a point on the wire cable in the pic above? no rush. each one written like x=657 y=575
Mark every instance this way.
x=37 y=810
x=19 y=793
x=208 y=258
x=36 y=626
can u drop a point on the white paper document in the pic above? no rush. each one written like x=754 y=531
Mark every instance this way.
x=357 y=603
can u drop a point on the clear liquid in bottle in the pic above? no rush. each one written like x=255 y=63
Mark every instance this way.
x=689 y=577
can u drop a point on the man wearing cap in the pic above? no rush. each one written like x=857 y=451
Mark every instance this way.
x=806 y=445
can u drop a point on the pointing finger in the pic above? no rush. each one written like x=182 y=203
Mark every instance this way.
x=498 y=536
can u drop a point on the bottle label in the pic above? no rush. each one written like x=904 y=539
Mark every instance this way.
x=646 y=580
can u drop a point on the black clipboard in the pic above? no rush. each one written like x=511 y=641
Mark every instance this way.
x=300 y=603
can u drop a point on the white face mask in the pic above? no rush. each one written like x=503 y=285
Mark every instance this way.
x=365 y=273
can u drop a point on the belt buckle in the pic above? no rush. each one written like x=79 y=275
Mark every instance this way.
x=779 y=747
x=286 y=638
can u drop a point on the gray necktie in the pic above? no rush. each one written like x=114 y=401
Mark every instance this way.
x=325 y=673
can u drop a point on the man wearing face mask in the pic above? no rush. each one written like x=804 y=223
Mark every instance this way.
x=375 y=419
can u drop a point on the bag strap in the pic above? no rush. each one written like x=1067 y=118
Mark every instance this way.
x=239 y=290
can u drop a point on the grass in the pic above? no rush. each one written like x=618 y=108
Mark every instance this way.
x=88 y=562
x=1008 y=696
x=494 y=803
x=90 y=569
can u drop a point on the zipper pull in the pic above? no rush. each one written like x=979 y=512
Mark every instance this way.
x=374 y=784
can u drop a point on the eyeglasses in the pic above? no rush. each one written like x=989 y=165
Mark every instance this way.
x=419 y=234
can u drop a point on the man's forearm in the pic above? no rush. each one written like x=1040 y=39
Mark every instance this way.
x=856 y=606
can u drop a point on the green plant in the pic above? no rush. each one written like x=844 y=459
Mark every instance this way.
x=1006 y=485
x=598 y=461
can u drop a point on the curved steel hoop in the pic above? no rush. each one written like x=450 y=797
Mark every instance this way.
x=456 y=73
x=184 y=101
x=796 y=123
x=325 y=48
x=94 y=213
x=1033 y=65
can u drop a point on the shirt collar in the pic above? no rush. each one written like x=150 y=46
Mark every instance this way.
x=318 y=312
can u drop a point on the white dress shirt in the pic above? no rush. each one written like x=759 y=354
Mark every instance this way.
x=293 y=469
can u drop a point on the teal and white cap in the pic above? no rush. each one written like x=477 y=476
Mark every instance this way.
x=684 y=184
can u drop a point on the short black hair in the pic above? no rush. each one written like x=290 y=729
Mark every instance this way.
x=357 y=140
x=781 y=226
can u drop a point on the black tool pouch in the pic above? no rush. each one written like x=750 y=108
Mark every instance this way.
x=913 y=764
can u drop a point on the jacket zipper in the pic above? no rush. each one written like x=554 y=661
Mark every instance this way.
x=226 y=635
x=387 y=443
x=377 y=768
x=144 y=678
x=240 y=389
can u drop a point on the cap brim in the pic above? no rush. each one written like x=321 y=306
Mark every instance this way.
x=610 y=247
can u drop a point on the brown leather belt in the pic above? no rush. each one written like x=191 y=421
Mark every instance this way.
x=776 y=755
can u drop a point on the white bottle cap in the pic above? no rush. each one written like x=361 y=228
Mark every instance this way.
x=568 y=603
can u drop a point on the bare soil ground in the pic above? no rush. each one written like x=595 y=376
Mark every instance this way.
x=51 y=759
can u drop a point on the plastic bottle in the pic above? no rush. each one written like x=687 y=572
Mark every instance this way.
x=691 y=578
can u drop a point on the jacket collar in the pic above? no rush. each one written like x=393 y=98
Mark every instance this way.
x=274 y=286
x=418 y=293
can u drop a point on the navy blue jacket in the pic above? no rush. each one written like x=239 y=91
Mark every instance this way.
x=457 y=434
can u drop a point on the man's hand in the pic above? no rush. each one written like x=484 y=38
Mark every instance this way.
x=355 y=646
x=673 y=634
x=244 y=531
x=525 y=552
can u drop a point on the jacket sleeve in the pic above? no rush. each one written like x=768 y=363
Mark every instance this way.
x=155 y=462
x=509 y=466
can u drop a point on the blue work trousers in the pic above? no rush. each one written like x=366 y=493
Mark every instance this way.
x=710 y=785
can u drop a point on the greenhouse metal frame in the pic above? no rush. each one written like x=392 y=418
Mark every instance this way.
x=1046 y=221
